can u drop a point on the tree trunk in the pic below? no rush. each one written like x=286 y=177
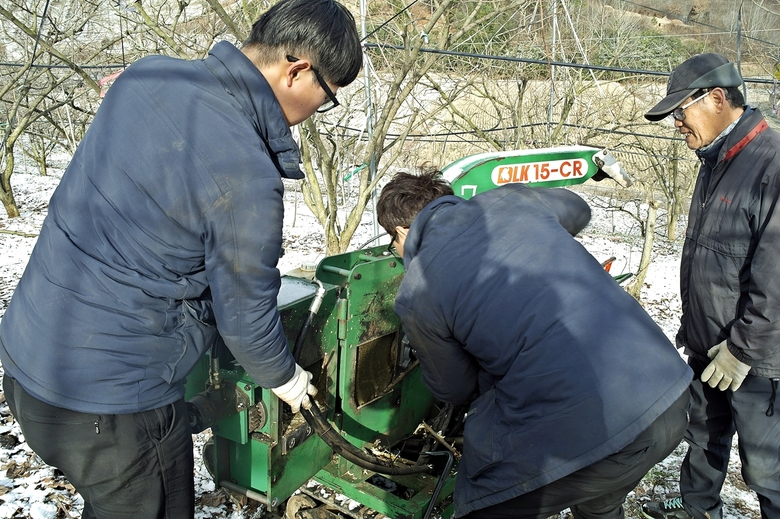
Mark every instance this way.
x=672 y=217
x=332 y=244
x=635 y=287
x=673 y=205
x=6 y=192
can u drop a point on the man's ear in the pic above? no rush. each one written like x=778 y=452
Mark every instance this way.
x=295 y=68
x=719 y=99
x=401 y=231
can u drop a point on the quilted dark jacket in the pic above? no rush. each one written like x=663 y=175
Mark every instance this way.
x=502 y=304
x=164 y=231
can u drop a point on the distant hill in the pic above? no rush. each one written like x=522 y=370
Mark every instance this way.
x=706 y=16
x=713 y=25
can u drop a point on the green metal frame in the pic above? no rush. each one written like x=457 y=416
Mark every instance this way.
x=350 y=345
x=372 y=392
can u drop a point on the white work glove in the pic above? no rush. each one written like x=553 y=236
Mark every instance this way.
x=296 y=391
x=725 y=370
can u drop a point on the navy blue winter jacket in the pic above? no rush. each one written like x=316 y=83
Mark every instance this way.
x=172 y=200
x=502 y=303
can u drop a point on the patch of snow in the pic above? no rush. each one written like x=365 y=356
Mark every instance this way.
x=31 y=490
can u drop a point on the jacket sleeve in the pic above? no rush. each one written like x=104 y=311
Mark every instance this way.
x=571 y=211
x=568 y=208
x=243 y=242
x=755 y=335
x=449 y=371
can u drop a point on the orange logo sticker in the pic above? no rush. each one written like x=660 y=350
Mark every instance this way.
x=539 y=171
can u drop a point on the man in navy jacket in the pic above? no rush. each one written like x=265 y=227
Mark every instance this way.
x=574 y=392
x=165 y=232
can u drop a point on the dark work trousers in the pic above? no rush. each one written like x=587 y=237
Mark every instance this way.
x=126 y=466
x=715 y=416
x=599 y=490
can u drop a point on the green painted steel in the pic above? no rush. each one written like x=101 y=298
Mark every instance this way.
x=549 y=167
x=350 y=480
x=370 y=385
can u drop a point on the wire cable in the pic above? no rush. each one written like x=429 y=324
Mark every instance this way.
x=396 y=15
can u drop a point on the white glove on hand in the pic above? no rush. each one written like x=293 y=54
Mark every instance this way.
x=296 y=391
x=725 y=370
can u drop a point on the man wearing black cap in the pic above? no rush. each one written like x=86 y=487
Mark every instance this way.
x=730 y=289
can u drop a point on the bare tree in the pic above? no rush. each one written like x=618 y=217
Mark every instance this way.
x=403 y=86
x=50 y=97
x=434 y=93
x=36 y=89
x=30 y=104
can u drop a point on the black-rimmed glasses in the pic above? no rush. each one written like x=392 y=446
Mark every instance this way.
x=391 y=248
x=331 y=102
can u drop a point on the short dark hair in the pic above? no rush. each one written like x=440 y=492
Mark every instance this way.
x=323 y=31
x=406 y=195
x=734 y=96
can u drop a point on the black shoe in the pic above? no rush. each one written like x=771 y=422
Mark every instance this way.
x=669 y=509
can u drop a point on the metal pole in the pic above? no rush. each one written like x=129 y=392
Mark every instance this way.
x=739 y=50
x=552 y=71
x=369 y=112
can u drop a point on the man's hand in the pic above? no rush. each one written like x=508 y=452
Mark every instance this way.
x=725 y=370
x=296 y=391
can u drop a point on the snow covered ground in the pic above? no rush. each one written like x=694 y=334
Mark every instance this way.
x=30 y=489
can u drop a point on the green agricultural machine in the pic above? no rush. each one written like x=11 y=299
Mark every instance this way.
x=376 y=436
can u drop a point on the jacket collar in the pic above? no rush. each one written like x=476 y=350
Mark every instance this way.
x=246 y=84
x=731 y=142
x=416 y=232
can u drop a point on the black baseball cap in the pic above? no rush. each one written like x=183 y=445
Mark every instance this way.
x=708 y=70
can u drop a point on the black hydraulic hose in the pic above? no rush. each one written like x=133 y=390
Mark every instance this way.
x=322 y=427
x=440 y=483
x=298 y=347
x=313 y=309
x=342 y=447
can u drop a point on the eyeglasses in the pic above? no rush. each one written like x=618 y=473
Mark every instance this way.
x=679 y=113
x=391 y=248
x=329 y=103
